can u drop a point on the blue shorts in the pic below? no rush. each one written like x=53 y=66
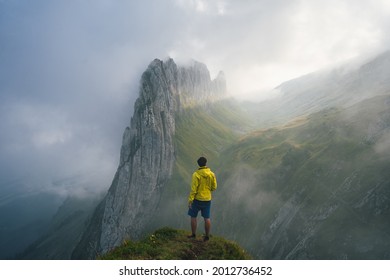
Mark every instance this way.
x=202 y=206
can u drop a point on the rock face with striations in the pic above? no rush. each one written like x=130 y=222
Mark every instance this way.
x=147 y=154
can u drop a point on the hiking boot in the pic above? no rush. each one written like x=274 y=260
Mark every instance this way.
x=206 y=238
x=192 y=236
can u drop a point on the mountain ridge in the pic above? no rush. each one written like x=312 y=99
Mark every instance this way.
x=342 y=86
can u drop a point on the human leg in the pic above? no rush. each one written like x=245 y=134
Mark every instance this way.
x=193 y=213
x=206 y=215
x=207 y=227
x=194 y=225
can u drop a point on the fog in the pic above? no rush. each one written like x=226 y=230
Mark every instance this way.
x=70 y=70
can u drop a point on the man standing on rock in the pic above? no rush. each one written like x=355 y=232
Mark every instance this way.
x=203 y=183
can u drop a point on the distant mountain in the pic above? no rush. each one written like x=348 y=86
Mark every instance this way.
x=64 y=231
x=23 y=209
x=342 y=86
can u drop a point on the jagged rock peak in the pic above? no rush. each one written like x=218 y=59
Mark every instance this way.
x=219 y=84
x=191 y=83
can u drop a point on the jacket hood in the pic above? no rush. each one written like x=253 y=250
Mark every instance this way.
x=204 y=171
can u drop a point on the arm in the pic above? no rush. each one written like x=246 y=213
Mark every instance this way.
x=194 y=189
x=213 y=186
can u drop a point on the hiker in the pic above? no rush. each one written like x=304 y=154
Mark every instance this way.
x=203 y=183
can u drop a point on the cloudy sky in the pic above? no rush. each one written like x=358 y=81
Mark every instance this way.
x=70 y=69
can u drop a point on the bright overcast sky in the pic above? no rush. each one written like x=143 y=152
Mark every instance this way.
x=70 y=69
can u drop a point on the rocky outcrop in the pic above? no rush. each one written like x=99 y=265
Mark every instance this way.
x=147 y=153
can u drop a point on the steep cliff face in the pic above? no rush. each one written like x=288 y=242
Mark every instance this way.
x=147 y=153
x=147 y=156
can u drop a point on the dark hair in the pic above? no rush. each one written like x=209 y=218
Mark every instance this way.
x=202 y=161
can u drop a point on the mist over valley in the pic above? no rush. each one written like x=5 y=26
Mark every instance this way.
x=105 y=107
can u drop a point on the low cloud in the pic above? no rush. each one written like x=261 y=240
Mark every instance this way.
x=70 y=69
x=247 y=189
x=382 y=145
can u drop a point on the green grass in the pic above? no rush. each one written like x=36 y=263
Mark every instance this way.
x=172 y=244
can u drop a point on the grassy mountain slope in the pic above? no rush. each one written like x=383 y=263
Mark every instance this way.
x=64 y=232
x=200 y=131
x=318 y=188
x=171 y=244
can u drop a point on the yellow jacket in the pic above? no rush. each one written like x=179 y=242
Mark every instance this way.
x=203 y=183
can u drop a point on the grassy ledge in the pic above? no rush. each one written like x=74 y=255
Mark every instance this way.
x=171 y=244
